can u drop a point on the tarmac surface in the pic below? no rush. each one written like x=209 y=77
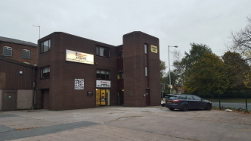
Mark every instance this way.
x=123 y=124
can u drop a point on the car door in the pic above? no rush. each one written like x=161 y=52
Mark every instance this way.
x=191 y=102
x=197 y=102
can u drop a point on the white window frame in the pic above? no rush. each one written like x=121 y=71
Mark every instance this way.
x=8 y=48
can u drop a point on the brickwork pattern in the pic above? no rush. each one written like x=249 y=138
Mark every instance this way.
x=17 y=51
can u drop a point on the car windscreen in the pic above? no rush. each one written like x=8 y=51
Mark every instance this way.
x=172 y=98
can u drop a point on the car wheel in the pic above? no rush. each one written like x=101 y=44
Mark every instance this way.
x=171 y=109
x=208 y=107
x=185 y=107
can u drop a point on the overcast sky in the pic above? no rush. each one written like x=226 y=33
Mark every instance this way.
x=174 y=22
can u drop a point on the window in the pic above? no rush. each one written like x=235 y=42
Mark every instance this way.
x=145 y=48
x=120 y=75
x=26 y=54
x=189 y=97
x=196 y=98
x=104 y=52
x=120 y=54
x=183 y=97
x=103 y=74
x=145 y=71
x=45 y=72
x=45 y=46
x=7 y=51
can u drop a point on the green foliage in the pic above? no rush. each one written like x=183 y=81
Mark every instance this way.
x=237 y=69
x=197 y=51
x=207 y=75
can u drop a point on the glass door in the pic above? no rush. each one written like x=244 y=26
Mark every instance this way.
x=97 y=97
x=102 y=97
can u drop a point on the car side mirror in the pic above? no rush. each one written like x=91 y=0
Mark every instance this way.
x=202 y=99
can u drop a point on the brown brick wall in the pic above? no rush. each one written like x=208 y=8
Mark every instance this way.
x=17 y=50
x=135 y=81
x=62 y=95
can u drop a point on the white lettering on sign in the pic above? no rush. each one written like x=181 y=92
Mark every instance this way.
x=80 y=57
x=79 y=84
x=103 y=83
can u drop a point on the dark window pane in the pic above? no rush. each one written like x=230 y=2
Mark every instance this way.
x=196 y=98
x=107 y=75
x=102 y=74
x=106 y=52
x=45 y=72
x=183 y=97
x=26 y=54
x=97 y=50
x=42 y=47
x=98 y=74
x=172 y=98
x=101 y=51
x=45 y=46
x=7 y=51
x=189 y=97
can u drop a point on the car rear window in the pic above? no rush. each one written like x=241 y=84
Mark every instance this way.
x=172 y=97
x=183 y=97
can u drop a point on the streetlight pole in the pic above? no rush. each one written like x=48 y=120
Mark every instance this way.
x=170 y=84
x=38 y=29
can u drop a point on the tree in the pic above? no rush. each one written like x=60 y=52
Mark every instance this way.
x=207 y=75
x=242 y=41
x=183 y=65
x=237 y=69
x=197 y=51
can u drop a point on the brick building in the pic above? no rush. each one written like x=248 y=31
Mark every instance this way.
x=18 y=50
x=74 y=72
x=17 y=73
x=17 y=81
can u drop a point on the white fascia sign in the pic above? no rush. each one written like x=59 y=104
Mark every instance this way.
x=80 y=57
x=103 y=84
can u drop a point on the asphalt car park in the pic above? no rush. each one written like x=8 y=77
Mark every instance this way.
x=124 y=123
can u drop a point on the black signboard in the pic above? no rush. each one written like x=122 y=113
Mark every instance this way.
x=89 y=93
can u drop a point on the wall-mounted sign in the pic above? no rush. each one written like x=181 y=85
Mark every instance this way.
x=89 y=93
x=79 y=84
x=154 y=49
x=103 y=83
x=79 y=57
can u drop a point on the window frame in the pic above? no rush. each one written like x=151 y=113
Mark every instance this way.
x=23 y=54
x=42 y=46
x=98 y=53
x=7 y=49
x=42 y=74
x=106 y=74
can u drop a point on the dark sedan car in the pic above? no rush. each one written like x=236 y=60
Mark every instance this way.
x=186 y=102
